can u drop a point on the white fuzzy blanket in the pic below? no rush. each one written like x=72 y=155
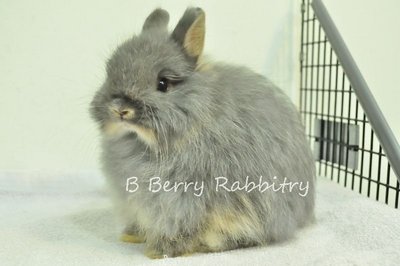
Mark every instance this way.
x=65 y=219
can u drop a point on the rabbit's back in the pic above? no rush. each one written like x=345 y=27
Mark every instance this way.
x=259 y=132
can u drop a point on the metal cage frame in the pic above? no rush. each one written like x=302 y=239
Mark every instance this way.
x=352 y=142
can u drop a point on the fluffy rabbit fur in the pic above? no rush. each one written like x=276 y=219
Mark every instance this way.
x=163 y=113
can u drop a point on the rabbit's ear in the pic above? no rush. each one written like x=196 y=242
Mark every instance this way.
x=158 y=19
x=190 y=32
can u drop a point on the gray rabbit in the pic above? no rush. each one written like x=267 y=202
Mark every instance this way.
x=199 y=157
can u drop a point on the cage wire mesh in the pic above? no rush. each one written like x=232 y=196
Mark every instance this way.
x=345 y=147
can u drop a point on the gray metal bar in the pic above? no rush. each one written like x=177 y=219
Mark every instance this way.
x=361 y=89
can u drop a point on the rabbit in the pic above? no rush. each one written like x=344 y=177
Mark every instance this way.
x=170 y=119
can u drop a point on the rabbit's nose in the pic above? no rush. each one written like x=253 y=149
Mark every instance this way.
x=125 y=113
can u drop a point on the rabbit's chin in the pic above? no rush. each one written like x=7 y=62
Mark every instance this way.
x=117 y=129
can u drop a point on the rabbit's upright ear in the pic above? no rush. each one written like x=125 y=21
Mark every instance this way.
x=190 y=32
x=158 y=19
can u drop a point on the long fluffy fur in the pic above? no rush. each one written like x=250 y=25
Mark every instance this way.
x=220 y=120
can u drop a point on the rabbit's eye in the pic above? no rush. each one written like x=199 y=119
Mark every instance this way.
x=163 y=85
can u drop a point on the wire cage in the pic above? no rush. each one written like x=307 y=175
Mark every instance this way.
x=340 y=123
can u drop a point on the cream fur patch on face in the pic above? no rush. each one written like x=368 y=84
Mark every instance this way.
x=146 y=134
x=118 y=128
x=114 y=129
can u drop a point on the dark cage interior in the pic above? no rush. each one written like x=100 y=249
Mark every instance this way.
x=345 y=147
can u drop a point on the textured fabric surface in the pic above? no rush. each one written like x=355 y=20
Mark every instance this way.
x=66 y=219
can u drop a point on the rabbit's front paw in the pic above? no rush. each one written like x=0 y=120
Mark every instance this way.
x=132 y=238
x=154 y=254
x=169 y=247
x=132 y=234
